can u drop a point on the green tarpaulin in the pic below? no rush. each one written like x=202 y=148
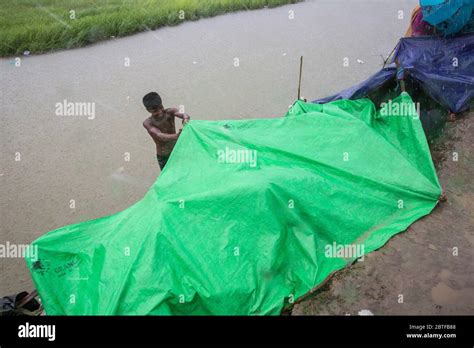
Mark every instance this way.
x=248 y=215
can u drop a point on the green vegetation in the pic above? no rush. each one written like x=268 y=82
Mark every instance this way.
x=45 y=25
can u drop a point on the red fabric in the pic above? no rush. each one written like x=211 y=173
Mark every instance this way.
x=418 y=25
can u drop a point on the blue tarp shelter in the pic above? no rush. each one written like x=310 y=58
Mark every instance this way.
x=444 y=69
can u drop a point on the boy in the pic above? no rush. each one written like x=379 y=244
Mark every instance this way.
x=160 y=126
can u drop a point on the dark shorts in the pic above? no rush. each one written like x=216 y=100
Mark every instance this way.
x=162 y=160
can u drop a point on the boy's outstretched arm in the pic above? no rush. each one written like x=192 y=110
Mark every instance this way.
x=185 y=117
x=155 y=133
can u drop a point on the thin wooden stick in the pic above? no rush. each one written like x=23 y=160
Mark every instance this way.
x=299 y=83
x=388 y=57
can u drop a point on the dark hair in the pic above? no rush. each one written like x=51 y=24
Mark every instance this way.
x=152 y=100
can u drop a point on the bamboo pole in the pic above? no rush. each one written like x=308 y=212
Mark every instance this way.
x=299 y=83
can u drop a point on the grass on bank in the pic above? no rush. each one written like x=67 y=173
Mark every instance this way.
x=45 y=25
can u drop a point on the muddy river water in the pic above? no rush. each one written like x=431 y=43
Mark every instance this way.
x=58 y=169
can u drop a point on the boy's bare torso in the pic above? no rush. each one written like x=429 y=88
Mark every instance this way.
x=166 y=125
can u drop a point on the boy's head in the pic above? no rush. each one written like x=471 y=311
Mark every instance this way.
x=153 y=104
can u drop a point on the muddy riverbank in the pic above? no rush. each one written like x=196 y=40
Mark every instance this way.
x=427 y=269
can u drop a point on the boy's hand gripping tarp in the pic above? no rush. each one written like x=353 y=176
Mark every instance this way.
x=248 y=216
